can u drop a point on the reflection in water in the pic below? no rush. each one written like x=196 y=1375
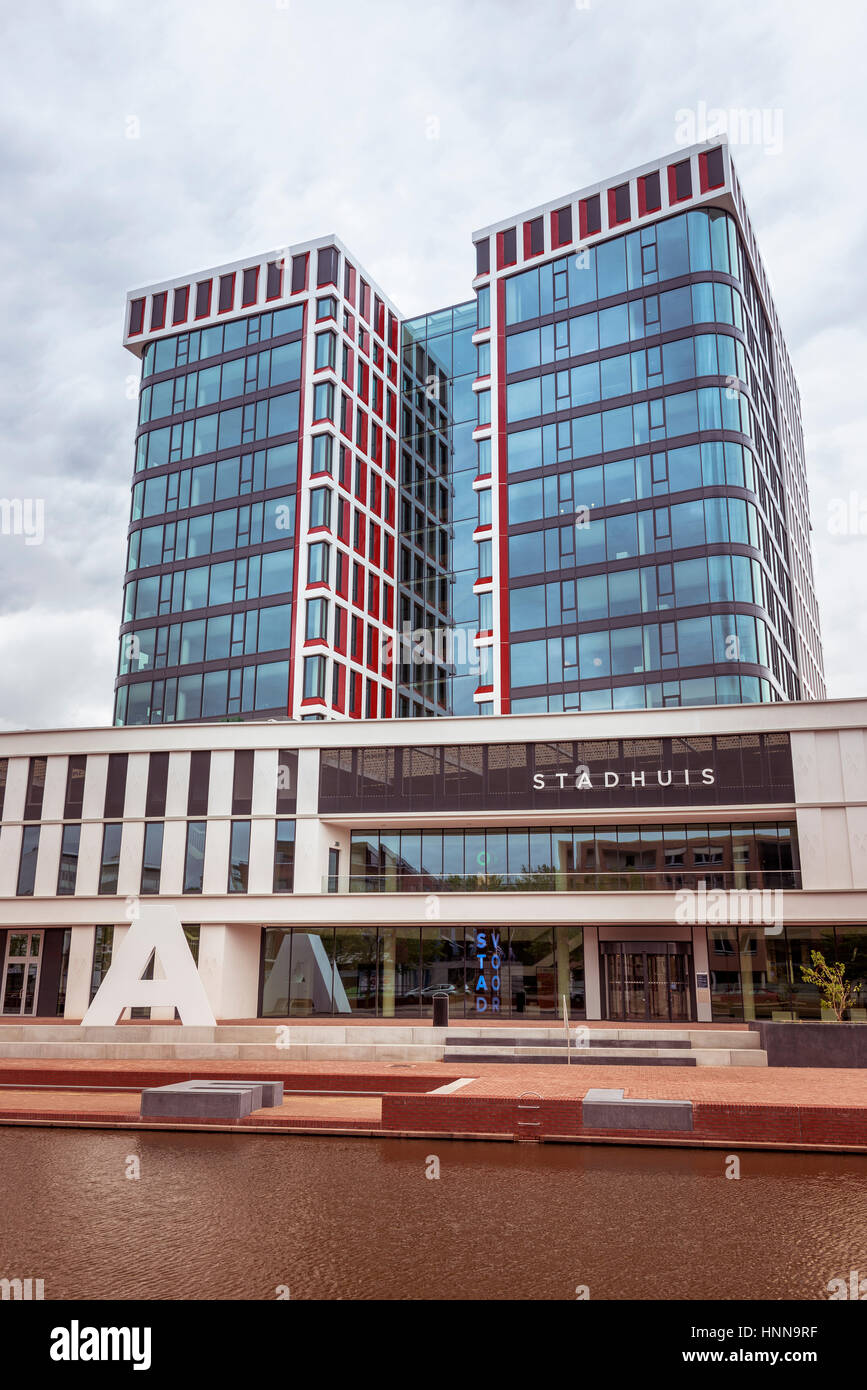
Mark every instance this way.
x=220 y=1216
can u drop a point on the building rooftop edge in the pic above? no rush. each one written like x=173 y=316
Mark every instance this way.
x=777 y=714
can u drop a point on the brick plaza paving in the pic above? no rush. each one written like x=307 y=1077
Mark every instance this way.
x=778 y=1107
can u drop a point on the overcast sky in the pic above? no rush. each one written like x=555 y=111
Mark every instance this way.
x=144 y=141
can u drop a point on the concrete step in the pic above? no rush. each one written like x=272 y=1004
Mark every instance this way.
x=617 y=1057
x=592 y=1043
x=231 y=1052
x=578 y=1059
x=606 y=1037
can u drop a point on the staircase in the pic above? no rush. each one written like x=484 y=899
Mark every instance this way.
x=641 y=1047
x=389 y=1043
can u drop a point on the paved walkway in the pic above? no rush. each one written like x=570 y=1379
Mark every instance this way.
x=772 y=1107
x=734 y=1085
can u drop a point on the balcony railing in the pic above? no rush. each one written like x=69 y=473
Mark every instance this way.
x=546 y=881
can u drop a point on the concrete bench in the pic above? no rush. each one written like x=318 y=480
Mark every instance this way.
x=602 y=1109
x=210 y=1099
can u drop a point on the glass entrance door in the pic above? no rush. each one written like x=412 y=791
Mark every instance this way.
x=647 y=981
x=18 y=990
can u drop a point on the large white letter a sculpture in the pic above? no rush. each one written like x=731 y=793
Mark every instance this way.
x=157 y=930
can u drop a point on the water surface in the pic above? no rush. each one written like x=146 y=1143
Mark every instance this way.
x=223 y=1216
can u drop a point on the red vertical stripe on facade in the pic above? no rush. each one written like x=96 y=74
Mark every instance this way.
x=505 y=670
x=296 y=590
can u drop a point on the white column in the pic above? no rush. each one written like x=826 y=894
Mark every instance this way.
x=79 y=972
x=241 y=972
x=592 y=983
x=229 y=967
x=700 y=965
x=93 y=807
x=16 y=788
x=89 y=860
x=220 y=783
x=312 y=839
x=261 y=876
x=54 y=795
x=174 y=851
x=48 y=862
x=215 y=878
x=136 y=785
x=131 y=855
x=178 y=784
x=308 y=781
x=10 y=856
x=265 y=782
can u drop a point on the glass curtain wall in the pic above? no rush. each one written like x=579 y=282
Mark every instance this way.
x=756 y=974
x=393 y=972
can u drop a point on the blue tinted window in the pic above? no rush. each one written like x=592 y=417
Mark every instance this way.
x=214 y=687
x=522 y=297
x=613 y=326
x=525 y=501
x=524 y=450
x=527 y=608
x=611 y=267
x=671 y=248
x=272 y=685
x=587 y=436
x=593 y=655
x=584 y=334
x=196 y=587
x=276 y=573
x=529 y=663
x=526 y=553
x=202 y=484
x=523 y=399
x=522 y=351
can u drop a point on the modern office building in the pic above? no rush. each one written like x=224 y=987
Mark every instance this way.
x=649 y=525
x=584 y=488
x=667 y=865
x=262 y=548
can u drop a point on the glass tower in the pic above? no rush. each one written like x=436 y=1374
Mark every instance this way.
x=583 y=489
x=650 y=524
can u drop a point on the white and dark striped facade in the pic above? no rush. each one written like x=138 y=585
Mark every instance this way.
x=665 y=864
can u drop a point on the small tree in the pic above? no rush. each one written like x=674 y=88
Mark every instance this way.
x=835 y=992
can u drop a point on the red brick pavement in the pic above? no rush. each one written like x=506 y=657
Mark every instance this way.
x=774 y=1107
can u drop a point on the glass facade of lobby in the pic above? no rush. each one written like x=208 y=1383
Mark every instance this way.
x=758 y=975
x=393 y=972
x=524 y=972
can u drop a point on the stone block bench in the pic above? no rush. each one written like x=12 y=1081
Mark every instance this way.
x=199 y=1100
x=602 y=1109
